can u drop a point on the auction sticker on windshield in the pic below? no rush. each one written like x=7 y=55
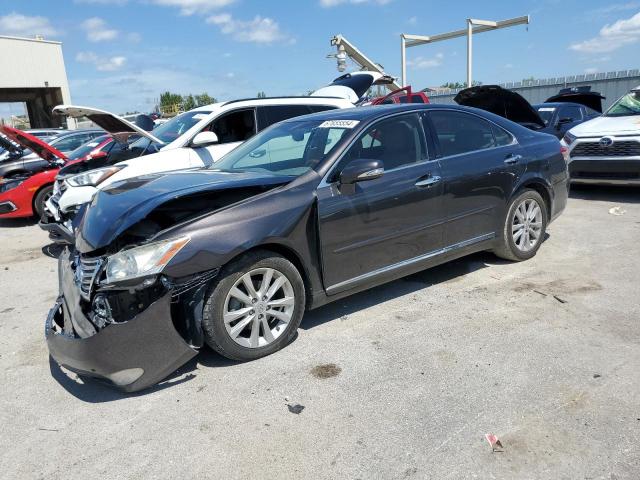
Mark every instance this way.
x=339 y=124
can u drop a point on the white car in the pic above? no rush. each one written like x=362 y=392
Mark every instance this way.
x=606 y=150
x=192 y=139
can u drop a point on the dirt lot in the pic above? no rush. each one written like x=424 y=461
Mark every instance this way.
x=402 y=381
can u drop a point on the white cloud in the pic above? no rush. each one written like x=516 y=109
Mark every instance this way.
x=508 y=65
x=25 y=26
x=190 y=7
x=109 y=64
x=334 y=3
x=97 y=30
x=420 y=63
x=590 y=70
x=413 y=20
x=612 y=37
x=259 y=30
x=134 y=37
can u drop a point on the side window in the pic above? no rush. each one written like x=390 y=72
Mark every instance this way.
x=235 y=126
x=397 y=141
x=71 y=142
x=459 y=132
x=571 y=112
x=268 y=115
x=502 y=137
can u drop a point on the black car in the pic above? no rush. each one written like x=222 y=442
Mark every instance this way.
x=306 y=212
x=558 y=114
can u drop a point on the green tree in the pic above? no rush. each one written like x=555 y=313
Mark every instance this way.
x=455 y=85
x=170 y=102
x=204 y=99
x=188 y=103
x=261 y=95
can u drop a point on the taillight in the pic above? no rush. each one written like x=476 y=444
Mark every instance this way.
x=565 y=153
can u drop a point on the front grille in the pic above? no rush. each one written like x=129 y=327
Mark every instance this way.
x=605 y=169
x=627 y=148
x=86 y=272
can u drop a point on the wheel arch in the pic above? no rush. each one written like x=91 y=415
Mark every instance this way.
x=539 y=185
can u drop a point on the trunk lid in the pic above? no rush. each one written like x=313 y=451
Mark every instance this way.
x=107 y=121
x=500 y=101
x=581 y=95
x=353 y=86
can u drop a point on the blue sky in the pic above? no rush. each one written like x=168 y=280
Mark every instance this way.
x=120 y=54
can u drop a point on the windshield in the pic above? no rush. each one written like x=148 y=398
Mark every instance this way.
x=86 y=148
x=626 y=105
x=546 y=114
x=290 y=148
x=169 y=131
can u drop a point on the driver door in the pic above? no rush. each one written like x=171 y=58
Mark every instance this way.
x=379 y=226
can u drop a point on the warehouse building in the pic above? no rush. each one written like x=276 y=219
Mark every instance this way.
x=611 y=84
x=33 y=72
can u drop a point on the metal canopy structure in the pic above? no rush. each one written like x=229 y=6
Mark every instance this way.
x=347 y=49
x=473 y=26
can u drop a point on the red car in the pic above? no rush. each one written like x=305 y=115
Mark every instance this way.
x=402 y=95
x=24 y=195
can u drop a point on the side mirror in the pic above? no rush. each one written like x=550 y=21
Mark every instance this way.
x=361 y=170
x=203 y=139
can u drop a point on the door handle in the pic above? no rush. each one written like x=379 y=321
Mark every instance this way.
x=427 y=182
x=511 y=159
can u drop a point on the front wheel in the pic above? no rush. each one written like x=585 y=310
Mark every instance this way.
x=41 y=199
x=524 y=227
x=255 y=308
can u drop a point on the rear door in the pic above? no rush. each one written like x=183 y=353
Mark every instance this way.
x=481 y=163
x=387 y=223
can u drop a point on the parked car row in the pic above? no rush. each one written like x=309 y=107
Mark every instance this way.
x=225 y=224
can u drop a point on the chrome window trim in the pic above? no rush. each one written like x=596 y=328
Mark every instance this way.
x=406 y=263
x=514 y=140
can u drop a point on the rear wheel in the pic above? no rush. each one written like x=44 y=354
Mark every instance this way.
x=41 y=198
x=524 y=227
x=255 y=308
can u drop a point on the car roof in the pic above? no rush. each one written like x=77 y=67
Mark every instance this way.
x=377 y=111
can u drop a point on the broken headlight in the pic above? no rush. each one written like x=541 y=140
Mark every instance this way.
x=92 y=177
x=143 y=260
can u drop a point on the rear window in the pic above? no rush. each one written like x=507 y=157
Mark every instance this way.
x=546 y=114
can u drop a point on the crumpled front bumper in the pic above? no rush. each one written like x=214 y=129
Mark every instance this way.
x=132 y=355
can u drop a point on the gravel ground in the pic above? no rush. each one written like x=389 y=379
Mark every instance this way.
x=402 y=381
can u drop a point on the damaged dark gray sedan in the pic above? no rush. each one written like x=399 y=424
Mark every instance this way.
x=306 y=212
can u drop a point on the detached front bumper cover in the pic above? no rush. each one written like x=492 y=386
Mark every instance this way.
x=132 y=355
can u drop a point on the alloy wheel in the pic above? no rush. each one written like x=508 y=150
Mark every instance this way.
x=259 y=307
x=526 y=225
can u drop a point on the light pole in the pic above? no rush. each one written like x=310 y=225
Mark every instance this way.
x=473 y=26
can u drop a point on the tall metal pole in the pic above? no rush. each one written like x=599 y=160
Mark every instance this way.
x=403 y=59
x=469 y=51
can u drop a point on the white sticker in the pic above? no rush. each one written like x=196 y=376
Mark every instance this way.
x=339 y=124
x=200 y=116
x=546 y=109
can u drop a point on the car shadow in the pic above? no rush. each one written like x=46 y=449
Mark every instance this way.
x=18 y=222
x=449 y=272
x=607 y=193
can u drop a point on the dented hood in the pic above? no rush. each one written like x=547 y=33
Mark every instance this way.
x=500 y=101
x=123 y=204
x=105 y=120
x=40 y=148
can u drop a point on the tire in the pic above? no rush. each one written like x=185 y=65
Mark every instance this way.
x=519 y=249
x=40 y=199
x=219 y=335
